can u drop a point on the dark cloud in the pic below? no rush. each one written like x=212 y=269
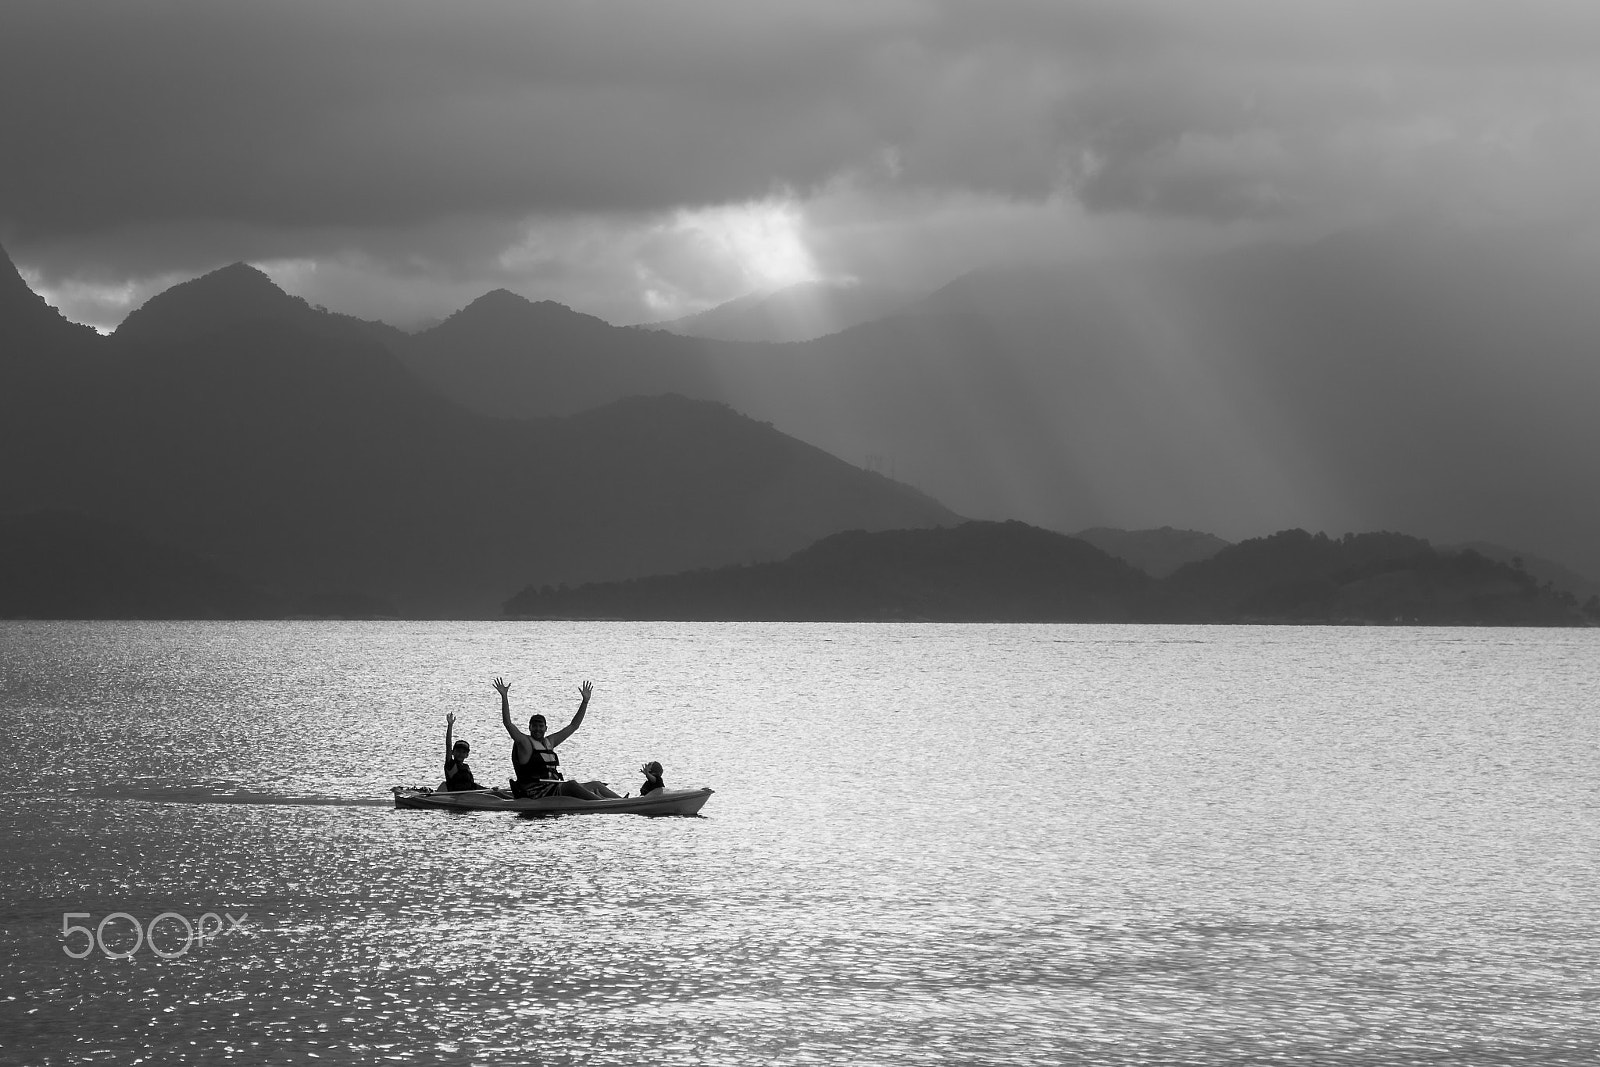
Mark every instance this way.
x=414 y=140
x=376 y=114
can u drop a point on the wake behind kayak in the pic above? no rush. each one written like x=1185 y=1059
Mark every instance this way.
x=206 y=794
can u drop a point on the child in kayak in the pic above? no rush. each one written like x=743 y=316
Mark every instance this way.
x=457 y=775
x=652 y=778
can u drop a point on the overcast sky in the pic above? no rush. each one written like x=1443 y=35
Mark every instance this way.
x=396 y=158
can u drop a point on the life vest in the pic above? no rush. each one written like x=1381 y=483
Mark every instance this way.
x=542 y=764
x=457 y=775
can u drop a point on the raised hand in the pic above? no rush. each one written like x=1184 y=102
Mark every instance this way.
x=501 y=685
x=586 y=688
x=450 y=718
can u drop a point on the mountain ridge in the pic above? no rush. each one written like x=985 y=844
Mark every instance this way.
x=1251 y=385
x=293 y=448
x=219 y=299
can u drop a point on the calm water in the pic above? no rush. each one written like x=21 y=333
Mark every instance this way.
x=929 y=844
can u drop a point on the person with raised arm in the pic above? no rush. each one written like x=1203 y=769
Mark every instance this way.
x=457 y=775
x=652 y=778
x=534 y=762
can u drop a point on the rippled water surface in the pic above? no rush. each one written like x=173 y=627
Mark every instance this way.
x=929 y=844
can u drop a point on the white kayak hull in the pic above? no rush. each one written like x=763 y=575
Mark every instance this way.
x=661 y=802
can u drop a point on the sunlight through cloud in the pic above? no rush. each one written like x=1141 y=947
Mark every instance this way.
x=763 y=239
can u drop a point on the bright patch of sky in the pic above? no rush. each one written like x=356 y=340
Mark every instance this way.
x=765 y=240
x=101 y=305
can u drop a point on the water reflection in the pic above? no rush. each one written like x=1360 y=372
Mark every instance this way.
x=1057 y=844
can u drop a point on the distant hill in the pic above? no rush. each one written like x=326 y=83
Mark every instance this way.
x=1156 y=552
x=1295 y=576
x=801 y=312
x=292 y=448
x=57 y=565
x=1543 y=570
x=1011 y=572
x=976 y=571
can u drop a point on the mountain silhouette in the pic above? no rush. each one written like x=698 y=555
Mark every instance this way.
x=505 y=355
x=233 y=297
x=1437 y=383
x=1011 y=572
x=1544 y=571
x=1296 y=576
x=291 y=448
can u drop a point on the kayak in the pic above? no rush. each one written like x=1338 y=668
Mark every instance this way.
x=661 y=802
